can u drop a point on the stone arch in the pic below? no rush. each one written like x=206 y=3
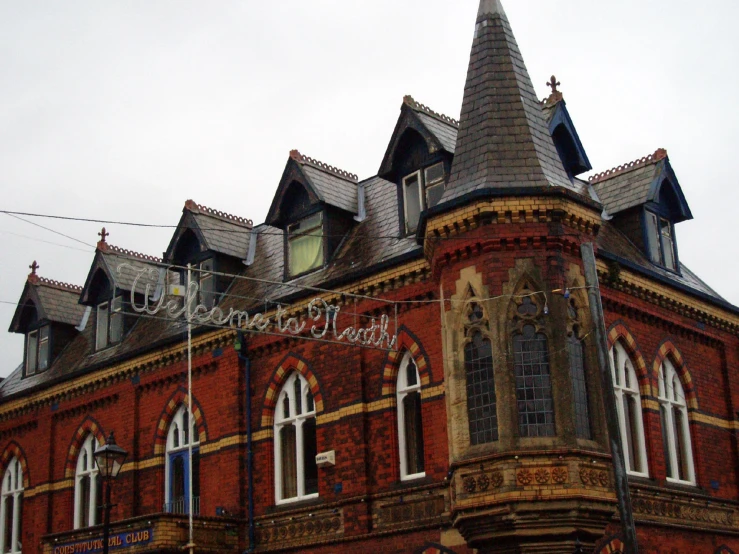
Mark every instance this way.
x=178 y=398
x=668 y=350
x=611 y=545
x=291 y=362
x=13 y=450
x=88 y=426
x=407 y=341
x=619 y=331
x=723 y=549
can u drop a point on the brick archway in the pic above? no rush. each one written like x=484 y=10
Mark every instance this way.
x=612 y=545
x=724 y=550
x=668 y=350
x=619 y=332
x=88 y=426
x=13 y=450
x=179 y=398
x=406 y=342
x=291 y=362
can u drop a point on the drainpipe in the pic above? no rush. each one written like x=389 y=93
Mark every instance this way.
x=240 y=348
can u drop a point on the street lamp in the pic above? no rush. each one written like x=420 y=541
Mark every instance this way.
x=109 y=459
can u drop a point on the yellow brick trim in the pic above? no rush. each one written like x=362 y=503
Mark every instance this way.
x=432 y=392
x=48 y=487
x=684 y=299
x=731 y=424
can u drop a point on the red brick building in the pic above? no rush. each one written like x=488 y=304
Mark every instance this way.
x=467 y=415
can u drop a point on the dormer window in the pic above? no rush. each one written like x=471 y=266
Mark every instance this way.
x=421 y=190
x=109 y=330
x=37 y=350
x=305 y=244
x=202 y=274
x=660 y=236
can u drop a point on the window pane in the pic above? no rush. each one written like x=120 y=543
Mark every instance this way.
x=411 y=373
x=579 y=388
x=412 y=198
x=668 y=244
x=178 y=483
x=8 y=522
x=185 y=428
x=175 y=436
x=196 y=475
x=288 y=462
x=43 y=348
x=20 y=522
x=310 y=449
x=305 y=250
x=207 y=284
x=482 y=411
x=298 y=396
x=413 y=433
x=116 y=320
x=680 y=450
x=665 y=440
x=32 y=352
x=84 y=506
x=102 y=327
x=434 y=174
x=310 y=406
x=655 y=252
x=533 y=384
x=434 y=194
x=634 y=432
x=98 y=499
x=628 y=435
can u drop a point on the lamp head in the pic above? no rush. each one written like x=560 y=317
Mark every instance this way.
x=110 y=458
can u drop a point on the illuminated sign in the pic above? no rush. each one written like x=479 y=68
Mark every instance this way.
x=121 y=540
x=325 y=316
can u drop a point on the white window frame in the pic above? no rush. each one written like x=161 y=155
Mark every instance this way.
x=421 y=199
x=297 y=420
x=104 y=334
x=620 y=388
x=177 y=430
x=86 y=468
x=12 y=486
x=672 y=395
x=296 y=228
x=402 y=390
x=40 y=337
x=440 y=181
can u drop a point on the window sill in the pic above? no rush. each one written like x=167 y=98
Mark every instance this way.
x=295 y=504
x=679 y=483
x=289 y=277
x=291 y=501
x=413 y=477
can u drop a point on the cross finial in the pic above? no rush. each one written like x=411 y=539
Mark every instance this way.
x=102 y=234
x=32 y=277
x=553 y=84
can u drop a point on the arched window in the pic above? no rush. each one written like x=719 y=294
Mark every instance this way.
x=178 y=471
x=482 y=414
x=675 y=430
x=88 y=487
x=296 y=472
x=410 y=424
x=11 y=508
x=628 y=405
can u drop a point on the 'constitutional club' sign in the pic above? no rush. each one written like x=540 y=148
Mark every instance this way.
x=323 y=315
x=121 y=540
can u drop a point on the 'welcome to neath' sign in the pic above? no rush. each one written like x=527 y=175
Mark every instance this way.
x=121 y=540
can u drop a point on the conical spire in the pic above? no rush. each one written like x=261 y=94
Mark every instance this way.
x=503 y=140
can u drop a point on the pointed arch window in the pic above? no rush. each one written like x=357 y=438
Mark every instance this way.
x=410 y=422
x=675 y=428
x=88 y=487
x=628 y=406
x=182 y=480
x=11 y=508
x=296 y=472
x=482 y=414
x=531 y=368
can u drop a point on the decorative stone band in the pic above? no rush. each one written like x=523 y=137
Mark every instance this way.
x=88 y=427
x=192 y=206
x=659 y=154
x=678 y=510
x=300 y=529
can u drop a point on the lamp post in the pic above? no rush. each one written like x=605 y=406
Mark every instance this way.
x=109 y=459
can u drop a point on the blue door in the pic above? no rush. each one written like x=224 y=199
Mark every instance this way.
x=179 y=485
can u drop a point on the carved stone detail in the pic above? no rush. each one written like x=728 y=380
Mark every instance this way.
x=497 y=479
x=483 y=482
x=542 y=476
x=594 y=477
x=469 y=484
x=524 y=477
x=306 y=530
x=675 y=510
x=418 y=509
x=559 y=475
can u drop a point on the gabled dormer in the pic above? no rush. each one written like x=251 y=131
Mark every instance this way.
x=47 y=314
x=316 y=206
x=418 y=159
x=107 y=289
x=564 y=135
x=645 y=201
x=213 y=243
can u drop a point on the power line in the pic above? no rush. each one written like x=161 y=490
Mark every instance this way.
x=46 y=228
x=45 y=241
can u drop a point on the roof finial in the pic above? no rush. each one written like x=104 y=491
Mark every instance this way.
x=556 y=95
x=33 y=277
x=102 y=244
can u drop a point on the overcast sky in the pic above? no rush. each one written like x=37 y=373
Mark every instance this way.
x=124 y=110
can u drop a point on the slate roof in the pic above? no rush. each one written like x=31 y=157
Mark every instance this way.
x=60 y=301
x=503 y=139
x=333 y=186
x=443 y=127
x=55 y=301
x=223 y=233
x=131 y=264
x=629 y=185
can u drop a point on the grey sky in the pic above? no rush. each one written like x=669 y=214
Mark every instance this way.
x=123 y=110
